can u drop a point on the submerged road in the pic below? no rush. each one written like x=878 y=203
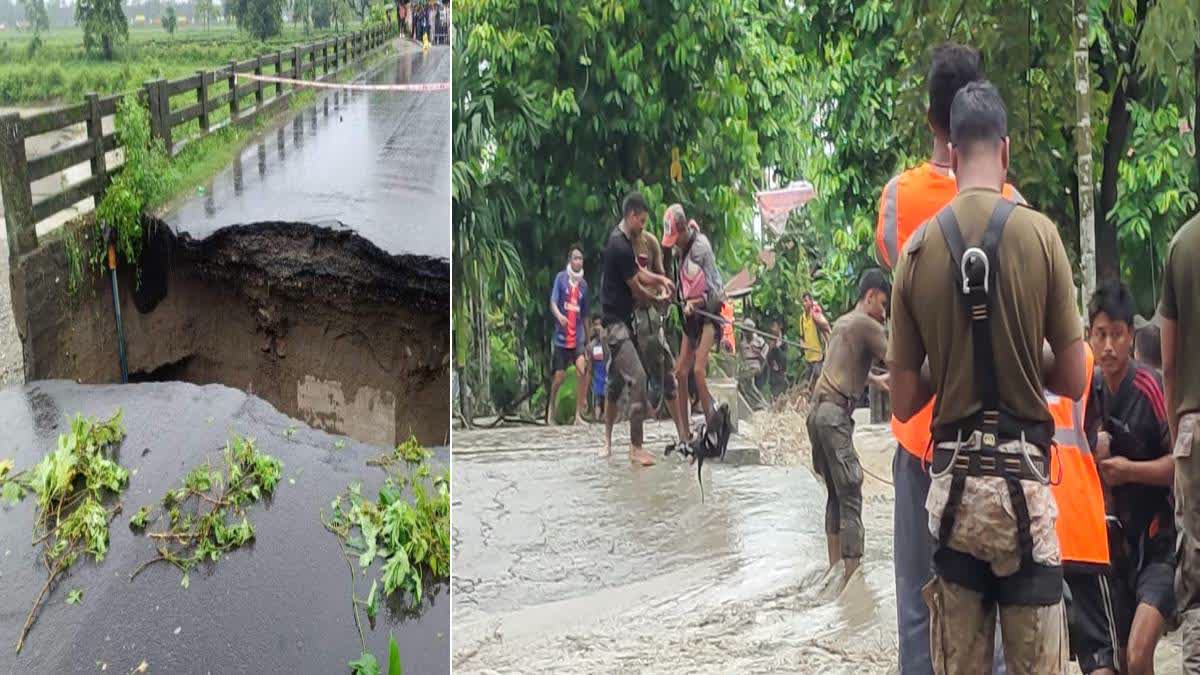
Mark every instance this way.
x=279 y=605
x=564 y=562
x=375 y=162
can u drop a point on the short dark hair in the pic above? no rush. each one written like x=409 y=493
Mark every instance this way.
x=1113 y=298
x=873 y=280
x=574 y=247
x=977 y=116
x=807 y=296
x=634 y=203
x=1147 y=343
x=953 y=67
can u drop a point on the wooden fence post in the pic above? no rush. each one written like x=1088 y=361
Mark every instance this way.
x=278 y=73
x=258 y=84
x=202 y=95
x=233 y=93
x=14 y=183
x=295 y=66
x=164 y=116
x=152 y=105
x=95 y=131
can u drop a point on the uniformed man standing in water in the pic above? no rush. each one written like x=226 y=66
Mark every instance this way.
x=977 y=291
x=856 y=342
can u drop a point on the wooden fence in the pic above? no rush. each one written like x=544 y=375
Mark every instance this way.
x=190 y=108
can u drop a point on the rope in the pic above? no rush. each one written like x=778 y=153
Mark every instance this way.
x=424 y=87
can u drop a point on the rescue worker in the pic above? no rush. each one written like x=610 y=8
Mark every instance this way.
x=568 y=305
x=908 y=200
x=814 y=333
x=699 y=287
x=622 y=282
x=856 y=343
x=1179 y=314
x=753 y=366
x=980 y=315
x=1126 y=413
x=1081 y=528
x=648 y=323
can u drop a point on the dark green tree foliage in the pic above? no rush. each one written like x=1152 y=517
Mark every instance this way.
x=588 y=100
x=322 y=13
x=261 y=18
x=168 y=20
x=104 y=25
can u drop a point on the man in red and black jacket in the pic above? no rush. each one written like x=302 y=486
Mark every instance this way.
x=1127 y=418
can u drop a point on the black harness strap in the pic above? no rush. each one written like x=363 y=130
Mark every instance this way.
x=975 y=270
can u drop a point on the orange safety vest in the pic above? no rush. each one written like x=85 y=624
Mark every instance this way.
x=1082 y=531
x=908 y=200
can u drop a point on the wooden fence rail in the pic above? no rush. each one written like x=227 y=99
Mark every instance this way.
x=202 y=103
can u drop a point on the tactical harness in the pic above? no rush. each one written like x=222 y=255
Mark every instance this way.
x=977 y=438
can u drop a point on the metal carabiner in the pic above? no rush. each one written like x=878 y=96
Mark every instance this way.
x=967 y=257
x=1041 y=478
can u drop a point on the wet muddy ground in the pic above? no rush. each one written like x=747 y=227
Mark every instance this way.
x=280 y=605
x=564 y=562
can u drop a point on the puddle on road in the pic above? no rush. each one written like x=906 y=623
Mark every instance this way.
x=567 y=562
x=281 y=604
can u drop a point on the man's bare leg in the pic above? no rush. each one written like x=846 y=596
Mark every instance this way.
x=700 y=368
x=637 y=415
x=851 y=567
x=682 y=414
x=833 y=544
x=581 y=386
x=552 y=404
x=1143 y=639
x=610 y=418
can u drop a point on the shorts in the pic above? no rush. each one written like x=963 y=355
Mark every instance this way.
x=831 y=433
x=624 y=368
x=656 y=355
x=1091 y=621
x=693 y=328
x=1103 y=606
x=564 y=357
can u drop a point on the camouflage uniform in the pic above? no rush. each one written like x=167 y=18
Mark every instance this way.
x=1187 y=515
x=963 y=621
x=652 y=344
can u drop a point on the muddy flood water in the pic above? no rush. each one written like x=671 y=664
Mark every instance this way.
x=564 y=562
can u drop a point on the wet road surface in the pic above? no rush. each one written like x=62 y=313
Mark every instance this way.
x=375 y=162
x=281 y=605
x=564 y=562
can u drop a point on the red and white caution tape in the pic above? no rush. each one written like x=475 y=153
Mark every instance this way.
x=423 y=87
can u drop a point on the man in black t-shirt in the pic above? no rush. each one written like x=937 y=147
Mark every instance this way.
x=624 y=280
x=1126 y=417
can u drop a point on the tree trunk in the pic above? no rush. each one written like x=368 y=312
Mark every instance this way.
x=1196 y=110
x=107 y=46
x=1108 y=254
x=1083 y=147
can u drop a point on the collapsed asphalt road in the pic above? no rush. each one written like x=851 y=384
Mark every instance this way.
x=377 y=162
x=280 y=605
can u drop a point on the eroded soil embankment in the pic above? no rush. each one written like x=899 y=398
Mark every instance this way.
x=322 y=323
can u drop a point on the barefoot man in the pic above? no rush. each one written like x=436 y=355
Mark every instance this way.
x=857 y=342
x=623 y=283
